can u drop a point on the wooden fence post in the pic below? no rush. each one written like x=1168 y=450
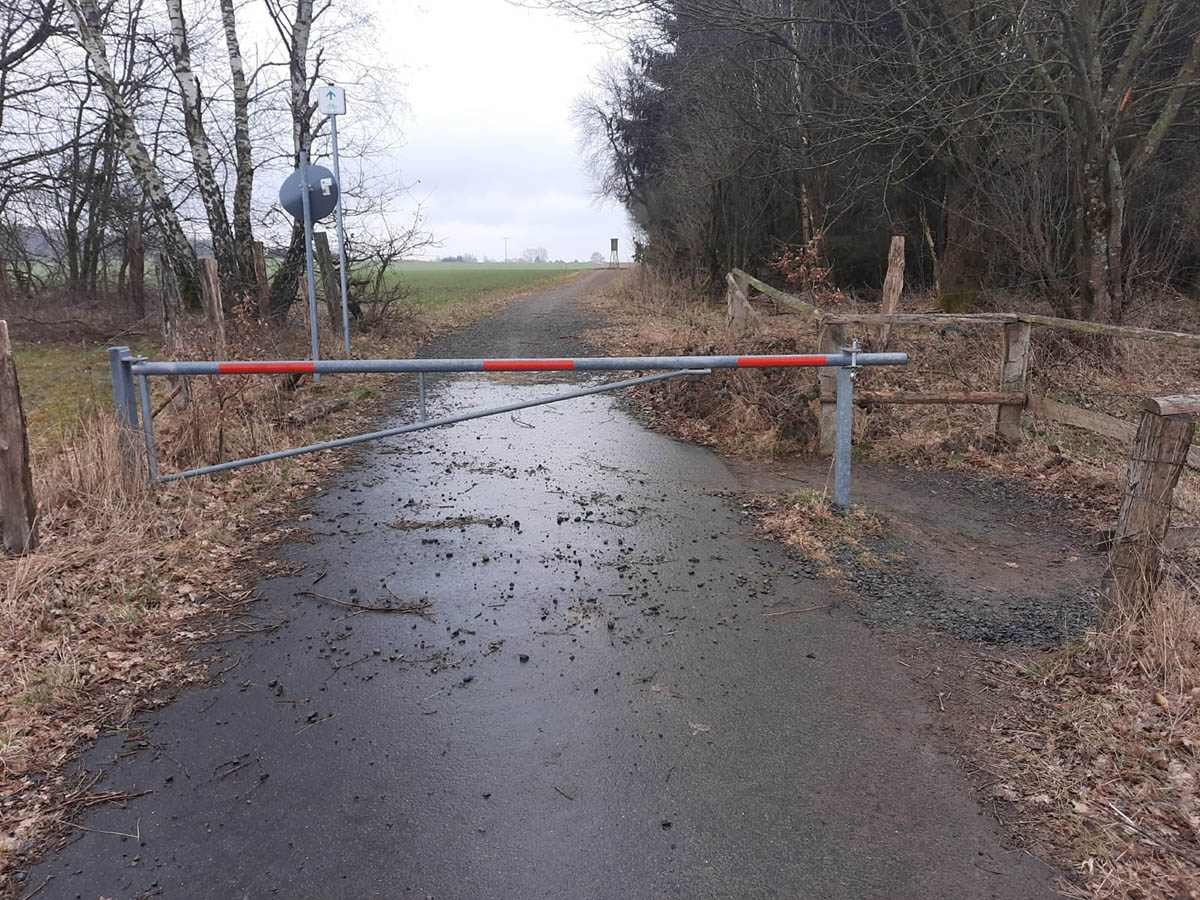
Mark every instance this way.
x=6 y=291
x=831 y=341
x=1156 y=460
x=740 y=316
x=261 y=284
x=210 y=290
x=893 y=286
x=17 y=506
x=329 y=280
x=1014 y=376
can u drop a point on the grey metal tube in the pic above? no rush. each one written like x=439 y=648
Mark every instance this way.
x=845 y=429
x=587 y=364
x=148 y=426
x=124 y=402
x=421 y=394
x=337 y=176
x=308 y=262
x=420 y=426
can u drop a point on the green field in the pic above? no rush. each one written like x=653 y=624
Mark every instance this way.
x=59 y=380
x=436 y=284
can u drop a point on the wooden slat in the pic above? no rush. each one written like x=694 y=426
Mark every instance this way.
x=1176 y=405
x=982 y=398
x=933 y=320
x=1178 y=338
x=1087 y=419
x=1095 y=422
x=774 y=293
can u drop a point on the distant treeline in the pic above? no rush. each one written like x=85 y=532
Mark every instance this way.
x=1017 y=143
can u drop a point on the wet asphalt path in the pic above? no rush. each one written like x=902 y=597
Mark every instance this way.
x=596 y=708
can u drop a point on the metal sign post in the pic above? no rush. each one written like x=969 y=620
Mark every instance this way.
x=308 y=261
x=310 y=193
x=335 y=105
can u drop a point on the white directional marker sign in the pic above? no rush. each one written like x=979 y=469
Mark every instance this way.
x=331 y=100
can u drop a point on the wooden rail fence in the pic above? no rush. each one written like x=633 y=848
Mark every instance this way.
x=1013 y=396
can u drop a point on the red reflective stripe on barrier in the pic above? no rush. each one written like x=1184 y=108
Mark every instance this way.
x=256 y=368
x=810 y=360
x=526 y=365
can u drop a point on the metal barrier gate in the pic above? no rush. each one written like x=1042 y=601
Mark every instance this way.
x=125 y=368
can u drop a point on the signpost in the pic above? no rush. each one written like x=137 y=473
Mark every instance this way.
x=332 y=101
x=311 y=193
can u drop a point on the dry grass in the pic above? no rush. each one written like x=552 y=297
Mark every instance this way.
x=126 y=580
x=773 y=412
x=1098 y=747
x=807 y=521
x=747 y=413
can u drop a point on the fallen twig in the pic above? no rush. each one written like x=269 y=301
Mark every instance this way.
x=791 y=612
x=317 y=722
x=137 y=835
x=417 y=609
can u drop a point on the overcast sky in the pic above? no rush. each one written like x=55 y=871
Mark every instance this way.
x=489 y=89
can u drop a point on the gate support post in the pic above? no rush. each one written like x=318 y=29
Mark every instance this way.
x=125 y=401
x=845 y=428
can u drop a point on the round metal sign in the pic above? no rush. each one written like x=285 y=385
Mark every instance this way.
x=322 y=193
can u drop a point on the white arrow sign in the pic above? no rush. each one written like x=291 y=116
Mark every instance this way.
x=331 y=100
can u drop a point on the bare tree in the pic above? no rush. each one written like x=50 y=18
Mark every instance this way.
x=211 y=195
x=243 y=191
x=87 y=20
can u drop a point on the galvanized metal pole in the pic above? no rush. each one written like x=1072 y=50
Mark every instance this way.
x=845 y=427
x=337 y=176
x=148 y=427
x=120 y=368
x=308 y=262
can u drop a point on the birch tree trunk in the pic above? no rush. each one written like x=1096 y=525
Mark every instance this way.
x=243 y=231
x=233 y=280
x=183 y=257
x=284 y=285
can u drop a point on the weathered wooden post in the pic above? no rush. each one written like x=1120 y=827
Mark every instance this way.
x=261 y=284
x=6 y=292
x=210 y=290
x=1156 y=460
x=739 y=314
x=329 y=280
x=17 y=506
x=1014 y=376
x=893 y=286
x=831 y=341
